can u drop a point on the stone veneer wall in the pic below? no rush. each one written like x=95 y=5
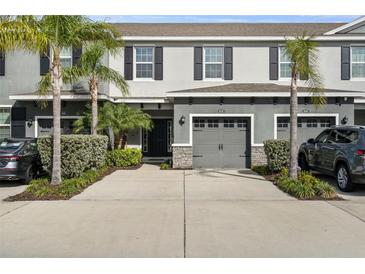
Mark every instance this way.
x=182 y=157
x=258 y=156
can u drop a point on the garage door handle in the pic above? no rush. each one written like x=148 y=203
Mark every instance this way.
x=197 y=156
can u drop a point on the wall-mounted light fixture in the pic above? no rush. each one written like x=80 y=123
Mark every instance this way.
x=182 y=120
x=344 y=120
x=29 y=122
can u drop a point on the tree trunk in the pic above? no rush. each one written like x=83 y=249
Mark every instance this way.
x=94 y=105
x=111 y=138
x=293 y=168
x=56 y=78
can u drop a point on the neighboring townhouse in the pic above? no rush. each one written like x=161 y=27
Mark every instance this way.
x=215 y=92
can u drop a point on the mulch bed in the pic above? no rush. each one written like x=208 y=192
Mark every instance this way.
x=27 y=196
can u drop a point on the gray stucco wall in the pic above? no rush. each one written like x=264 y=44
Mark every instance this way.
x=22 y=74
x=250 y=65
x=263 y=110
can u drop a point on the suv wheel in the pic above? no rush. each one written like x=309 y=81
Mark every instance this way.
x=343 y=178
x=303 y=162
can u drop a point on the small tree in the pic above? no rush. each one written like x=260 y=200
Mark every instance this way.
x=92 y=68
x=120 y=118
x=38 y=33
x=303 y=53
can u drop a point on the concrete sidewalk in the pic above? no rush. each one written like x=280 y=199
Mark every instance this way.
x=206 y=213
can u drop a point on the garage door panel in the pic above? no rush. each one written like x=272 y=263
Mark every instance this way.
x=308 y=127
x=221 y=142
x=205 y=137
x=235 y=161
x=206 y=161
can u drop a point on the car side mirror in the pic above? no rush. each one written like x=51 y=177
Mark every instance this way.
x=310 y=141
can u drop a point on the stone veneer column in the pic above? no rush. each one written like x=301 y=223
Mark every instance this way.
x=182 y=156
x=258 y=156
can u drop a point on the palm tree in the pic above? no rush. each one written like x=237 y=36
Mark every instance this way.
x=92 y=68
x=119 y=117
x=303 y=53
x=37 y=34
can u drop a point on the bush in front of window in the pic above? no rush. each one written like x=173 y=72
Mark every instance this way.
x=277 y=153
x=127 y=157
x=78 y=153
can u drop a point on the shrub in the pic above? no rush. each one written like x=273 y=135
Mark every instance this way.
x=166 y=165
x=262 y=170
x=277 y=153
x=124 y=157
x=78 y=153
x=306 y=187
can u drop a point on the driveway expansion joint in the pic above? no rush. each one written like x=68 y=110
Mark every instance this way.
x=10 y=211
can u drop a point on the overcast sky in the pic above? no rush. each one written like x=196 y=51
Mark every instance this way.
x=222 y=18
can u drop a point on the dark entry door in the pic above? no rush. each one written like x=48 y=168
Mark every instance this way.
x=158 y=139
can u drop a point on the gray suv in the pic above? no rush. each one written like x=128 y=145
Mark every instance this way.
x=337 y=151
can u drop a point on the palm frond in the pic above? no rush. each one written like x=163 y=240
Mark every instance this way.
x=303 y=53
x=72 y=74
x=110 y=75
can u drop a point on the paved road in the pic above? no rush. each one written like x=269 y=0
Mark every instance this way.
x=153 y=213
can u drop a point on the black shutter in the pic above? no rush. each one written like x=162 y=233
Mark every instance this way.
x=2 y=63
x=76 y=55
x=158 y=63
x=128 y=63
x=345 y=62
x=228 y=63
x=44 y=63
x=302 y=76
x=198 y=63
x=274 y=66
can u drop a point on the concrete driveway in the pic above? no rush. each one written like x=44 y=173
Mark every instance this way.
x=206 y=213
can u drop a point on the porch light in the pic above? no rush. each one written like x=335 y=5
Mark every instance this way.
x=182 y=120
x=344 y=120
x=29 y=123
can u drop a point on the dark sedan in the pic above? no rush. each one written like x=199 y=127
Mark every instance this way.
x=19 y=159
x=338 y=151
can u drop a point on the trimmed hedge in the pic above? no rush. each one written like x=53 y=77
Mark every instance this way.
x=277 y=153
x=124 y=157
x=78 y=153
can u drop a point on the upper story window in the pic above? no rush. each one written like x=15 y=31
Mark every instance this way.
x=144 y=62
x=4 y=122
x=213 y=65
x=285 y=64
x=358 y=62
x=66 y=57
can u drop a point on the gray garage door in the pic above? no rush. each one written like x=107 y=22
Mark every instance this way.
x=308 y=127
x=221 y=142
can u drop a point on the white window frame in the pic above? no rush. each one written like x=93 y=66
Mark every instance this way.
x=351 y=62
x=66 y=56
x=7 y=125
x=279 y=64
x=213 y=63
x=135 y=63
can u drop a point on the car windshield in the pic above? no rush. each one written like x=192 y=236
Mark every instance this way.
x=8 y=146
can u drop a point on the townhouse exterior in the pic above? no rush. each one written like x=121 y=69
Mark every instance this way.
x=215 y=92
